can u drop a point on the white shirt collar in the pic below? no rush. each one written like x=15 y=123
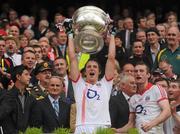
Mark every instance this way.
x=126 y=96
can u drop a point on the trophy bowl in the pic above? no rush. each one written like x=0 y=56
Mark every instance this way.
x=90 y=23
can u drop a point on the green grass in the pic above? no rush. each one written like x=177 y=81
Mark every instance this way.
x=133 y=131
x=32 y=130
x=61 y=131
x=104 y=131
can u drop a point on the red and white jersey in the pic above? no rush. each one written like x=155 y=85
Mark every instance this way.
x=92 y=102
x=146 y=107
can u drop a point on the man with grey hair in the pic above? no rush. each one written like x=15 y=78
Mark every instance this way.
x=118 y=105
x=43 y=28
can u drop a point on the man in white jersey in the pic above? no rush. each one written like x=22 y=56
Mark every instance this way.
x=149 y=107
x=91 y=95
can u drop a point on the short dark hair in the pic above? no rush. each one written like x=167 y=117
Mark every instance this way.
x=28 y=51
x=175 y=81
x=18 y=70
x=144 y=64
x=162 y=79
x=95 y=60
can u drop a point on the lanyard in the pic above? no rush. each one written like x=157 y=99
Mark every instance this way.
x=2 y=64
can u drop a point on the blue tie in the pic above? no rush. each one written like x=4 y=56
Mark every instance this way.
x=56 y=107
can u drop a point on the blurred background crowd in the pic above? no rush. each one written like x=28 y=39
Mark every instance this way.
x=146 y=31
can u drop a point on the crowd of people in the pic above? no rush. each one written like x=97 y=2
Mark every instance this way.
x=47 y=82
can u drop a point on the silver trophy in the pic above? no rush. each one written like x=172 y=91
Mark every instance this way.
x=90 y=23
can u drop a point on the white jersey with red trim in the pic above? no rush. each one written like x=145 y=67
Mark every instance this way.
x=92 y=102
x=146 y=107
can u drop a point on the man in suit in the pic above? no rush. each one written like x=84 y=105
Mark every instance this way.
x=128 y=35
x=60 y=50
x=118 y=105
x=17 y=105
x=52 y=111
x=61 y=68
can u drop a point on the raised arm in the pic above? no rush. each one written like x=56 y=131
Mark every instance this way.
x=110 y=64
x=74 y=70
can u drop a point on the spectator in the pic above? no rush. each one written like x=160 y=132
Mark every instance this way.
x=12 y=46
x=149 y=99
x=61 y=68
x=52 y=112
x=167 y=69
x=171 y=53
x=153 y=46
x=118 y=104
x=17 y=106
x=43 y=74
x=138 y=54
x=128 y=68
x=6 y=66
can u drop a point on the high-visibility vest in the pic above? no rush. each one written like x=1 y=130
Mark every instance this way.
x=81 y=62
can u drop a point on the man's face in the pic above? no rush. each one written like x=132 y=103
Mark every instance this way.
x=128 y=69
x=44 y=76
x=38 y=53
x=130 y=87
x=141 y=36
x=62 y=38
x=55 y=86
x=141 y=74
x=142 y=23
x=23 y=42
x=172 y=18
x=152 y=37
x=92 y=71
x=162 y=31
x=174 y=90
x=172 y=36
x=29 y=60
x=2 y=47
x=11 y=46
x=12 y=15
x=60 y=66
x=128 y=23
x=166 y=68
x=25 y=77
x=14 y=30
x=45 y=48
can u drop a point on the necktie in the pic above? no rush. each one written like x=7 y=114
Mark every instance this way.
x=56 y=107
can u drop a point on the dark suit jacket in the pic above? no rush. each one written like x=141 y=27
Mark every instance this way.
x=122 y=34
x=14 y=118
x=47 y=118
x=119 y=110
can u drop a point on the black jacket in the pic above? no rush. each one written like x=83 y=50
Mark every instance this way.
x=119 y=110
x=47 y=118
x=14 y=118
